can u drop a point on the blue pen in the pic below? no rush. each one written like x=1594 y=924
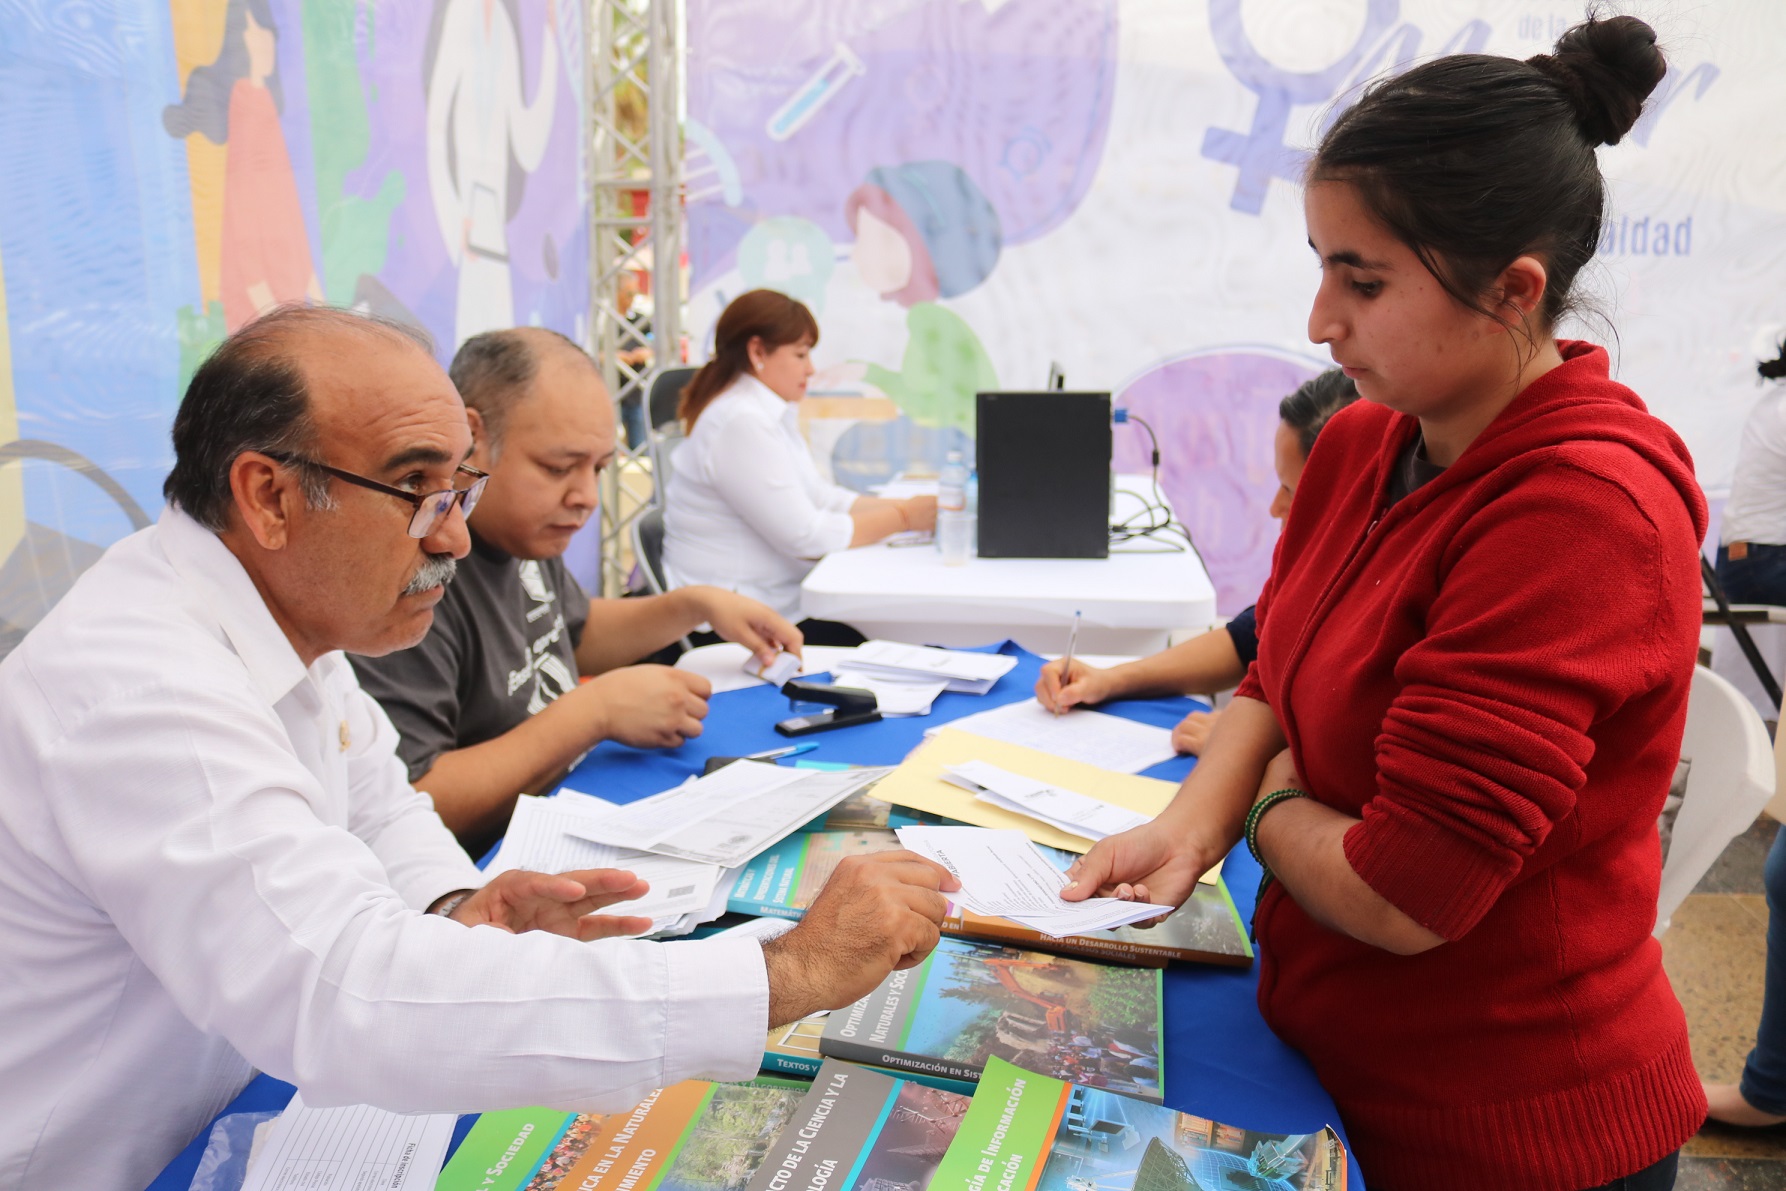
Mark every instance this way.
x=792 y=750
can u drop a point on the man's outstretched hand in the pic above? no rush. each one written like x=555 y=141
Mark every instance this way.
x=877 y=914
x=565 y=904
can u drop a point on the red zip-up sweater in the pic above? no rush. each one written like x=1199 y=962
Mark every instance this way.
x=1492 y=674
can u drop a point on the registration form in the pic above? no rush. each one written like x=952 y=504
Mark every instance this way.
x=1093 y=737
x=1068 y=810
x=542 y=837
x=729 y=815
x=350 y=1149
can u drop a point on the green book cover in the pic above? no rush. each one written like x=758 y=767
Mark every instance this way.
x=862 y=1130
x=969 y=1003
x=504 y=1150
x=1027 y=1132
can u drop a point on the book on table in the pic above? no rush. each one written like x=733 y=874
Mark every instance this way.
x=782 y=881
x=862 y=1130
x=691 y=1136
x=969 y=1003
x=1027 y=1132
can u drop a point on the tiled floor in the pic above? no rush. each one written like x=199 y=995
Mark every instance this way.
x=1714 y=950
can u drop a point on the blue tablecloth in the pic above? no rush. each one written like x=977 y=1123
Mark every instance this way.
x=1220 y=1062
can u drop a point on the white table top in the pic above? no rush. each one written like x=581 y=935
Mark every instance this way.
x=1140 y=586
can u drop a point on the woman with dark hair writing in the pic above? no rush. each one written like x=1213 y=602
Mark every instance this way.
x=746 y=508
x=1475 y=650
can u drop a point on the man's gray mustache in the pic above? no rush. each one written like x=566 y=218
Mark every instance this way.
x=438 y=571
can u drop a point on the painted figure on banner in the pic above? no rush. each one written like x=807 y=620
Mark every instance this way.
x=924 y=138
x=264 y=248
x=483 y=138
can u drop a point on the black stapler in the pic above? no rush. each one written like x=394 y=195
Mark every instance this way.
x=848 y=706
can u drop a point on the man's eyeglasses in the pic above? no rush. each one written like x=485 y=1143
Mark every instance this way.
x=431 y=508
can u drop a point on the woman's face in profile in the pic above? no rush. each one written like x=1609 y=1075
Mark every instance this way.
x=784 y=369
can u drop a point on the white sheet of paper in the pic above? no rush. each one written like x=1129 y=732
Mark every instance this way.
x=348 y=1149
x=1003 y=874
x=542 y=836
x=892 y=696
x=1077 y=814
x=730 y=815
x=1107 y=741
x=969 y=673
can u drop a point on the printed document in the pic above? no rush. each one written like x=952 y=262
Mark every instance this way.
x=729 y=815
x=350 y=1149
x=1003 y=875
x=969 y=673
x=893 y=696
x=542 y=837
x=1107 y=741
x=1074 y=813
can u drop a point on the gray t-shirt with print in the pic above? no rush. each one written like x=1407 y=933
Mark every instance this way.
x=503 y=646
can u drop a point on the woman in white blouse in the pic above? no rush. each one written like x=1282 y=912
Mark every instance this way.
x=746 y=508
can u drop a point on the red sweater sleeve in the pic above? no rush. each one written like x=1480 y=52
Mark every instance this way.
x=1549 y=616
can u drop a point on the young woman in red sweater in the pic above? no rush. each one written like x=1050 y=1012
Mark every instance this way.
x=1475 y=650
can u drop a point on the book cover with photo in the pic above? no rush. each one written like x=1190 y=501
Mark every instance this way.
x=969 y=1003
x=1026 y=1132
x=782 y=881
x=792 y=1051
x=862 y=1130
x=691 y=1136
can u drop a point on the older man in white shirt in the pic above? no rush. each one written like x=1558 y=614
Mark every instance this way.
x=211 y=861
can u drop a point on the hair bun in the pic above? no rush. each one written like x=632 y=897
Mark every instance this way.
x=1607 y=68
x=1774 y=369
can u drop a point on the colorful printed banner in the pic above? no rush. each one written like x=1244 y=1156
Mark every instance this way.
x=167 y=170
x=967 y=190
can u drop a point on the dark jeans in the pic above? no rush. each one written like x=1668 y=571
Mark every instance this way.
x=1659 y=1177
x=1764 y=1075
x=1758 y=579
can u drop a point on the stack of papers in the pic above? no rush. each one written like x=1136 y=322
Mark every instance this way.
x=968 y=673
x=1003 y=875
x=1107 y=741
x=348 y=1149
x=1066 y=810
x=543 y=837
x=894 y=697
x=729 y=815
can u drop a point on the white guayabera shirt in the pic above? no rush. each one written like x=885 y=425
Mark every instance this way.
x=746 y=508
x=211 y=861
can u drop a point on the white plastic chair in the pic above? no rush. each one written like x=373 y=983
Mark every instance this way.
x=1730 y=780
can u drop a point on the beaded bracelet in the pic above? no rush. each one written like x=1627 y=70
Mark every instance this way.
x=1258 y=812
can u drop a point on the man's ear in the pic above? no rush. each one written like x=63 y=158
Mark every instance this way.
x=267 y=495
x=483 y=454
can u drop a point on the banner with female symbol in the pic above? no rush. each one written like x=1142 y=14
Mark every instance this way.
x=966 y=191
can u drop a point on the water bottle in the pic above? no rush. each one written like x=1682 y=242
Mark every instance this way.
x=954 y=530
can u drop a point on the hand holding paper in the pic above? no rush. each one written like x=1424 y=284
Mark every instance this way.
x=1002 y=874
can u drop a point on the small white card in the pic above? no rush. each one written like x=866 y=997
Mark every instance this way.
x=778 y=671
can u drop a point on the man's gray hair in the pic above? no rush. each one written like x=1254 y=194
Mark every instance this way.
x=494 y=370
x=249 y=395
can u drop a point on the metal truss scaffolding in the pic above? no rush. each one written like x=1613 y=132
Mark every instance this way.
x=632 y=60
